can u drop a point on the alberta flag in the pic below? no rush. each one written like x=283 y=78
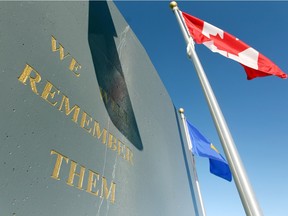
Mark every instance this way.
x=202 y=147
x=217 y=40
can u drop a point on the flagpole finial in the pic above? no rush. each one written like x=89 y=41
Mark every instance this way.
x=173 y=4
x=181 y=110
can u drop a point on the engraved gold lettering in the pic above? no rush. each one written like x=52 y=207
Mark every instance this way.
x=26 y=73
x=129 y=155
x=47 y=91
x=108 y=193
x=60 y=49
x=72 y=174
x=74 y=66
x=92 y=182
x=120 y=148
x=97 y=132
x=112 y=142
x=85 y=122
x=50 y=94
x=65 y=100
x=105 y=192
x=58 y=163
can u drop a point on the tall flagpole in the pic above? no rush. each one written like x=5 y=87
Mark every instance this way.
x=243 y=185
x=189 y=142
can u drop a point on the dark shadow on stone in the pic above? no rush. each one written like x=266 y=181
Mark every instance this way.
x=109 y=72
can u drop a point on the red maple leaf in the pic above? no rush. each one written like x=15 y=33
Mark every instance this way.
x=229 y=43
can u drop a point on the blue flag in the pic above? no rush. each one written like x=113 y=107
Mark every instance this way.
x=204 y=148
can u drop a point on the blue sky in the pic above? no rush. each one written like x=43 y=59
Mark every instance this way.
x=256 y=111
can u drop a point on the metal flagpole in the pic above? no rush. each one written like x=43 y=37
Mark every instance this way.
x=243 y=185
x=181 y=111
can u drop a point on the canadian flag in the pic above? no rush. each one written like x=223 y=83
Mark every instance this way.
x=254 y=63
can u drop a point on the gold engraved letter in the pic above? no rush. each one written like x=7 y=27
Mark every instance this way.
x=47 y=91
x=105 y=192
x=85 y=121
x=76 y=108
x=92 y=182
x=112 y=142
x=120 y=149
x=74 y=66
x=58 y=164
x=33 y=80
x=129 y=155
x=60 y=49
x=97 y=132
x=72 y=173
